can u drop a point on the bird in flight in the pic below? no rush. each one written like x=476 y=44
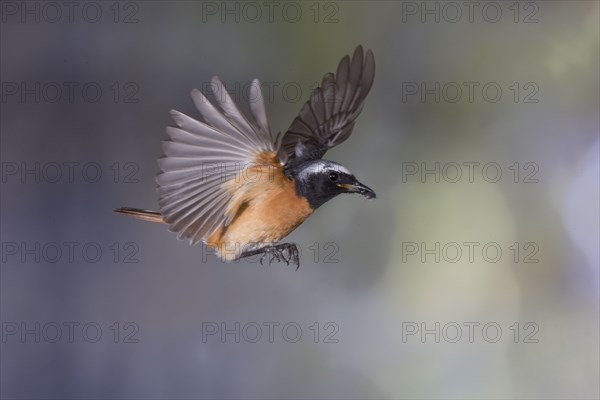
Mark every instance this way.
x=228 y=182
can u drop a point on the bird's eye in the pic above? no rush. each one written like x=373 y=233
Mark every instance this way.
x=333 y=176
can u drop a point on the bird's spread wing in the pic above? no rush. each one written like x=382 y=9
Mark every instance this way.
x=201 y=158
x=328 y=117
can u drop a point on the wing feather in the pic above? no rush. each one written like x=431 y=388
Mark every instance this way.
x=201 y=158
x=328 y=117
x=233 y=115
x=193 y=126
x=258 y=109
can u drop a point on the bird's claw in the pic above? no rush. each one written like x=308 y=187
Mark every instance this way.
x=286 y=252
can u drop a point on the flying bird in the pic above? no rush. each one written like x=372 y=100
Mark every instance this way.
x=228 y=182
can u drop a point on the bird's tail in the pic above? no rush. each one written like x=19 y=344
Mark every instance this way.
x=144 y=215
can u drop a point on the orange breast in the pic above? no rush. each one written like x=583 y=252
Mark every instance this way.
x=264 y=208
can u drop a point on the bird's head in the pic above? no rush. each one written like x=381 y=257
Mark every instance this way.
x=321 y=180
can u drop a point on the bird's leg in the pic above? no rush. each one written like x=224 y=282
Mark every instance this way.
x=287 y=252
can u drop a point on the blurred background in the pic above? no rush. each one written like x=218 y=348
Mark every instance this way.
x=474 y=274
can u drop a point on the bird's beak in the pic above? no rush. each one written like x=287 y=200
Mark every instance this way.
x=358 y=187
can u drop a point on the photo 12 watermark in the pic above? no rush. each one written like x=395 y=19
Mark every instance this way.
x=69 y=332
x=269 y=332
x=472 y=252
x=469 y=172
x=69 y=12
x=252 y=12
x=452 y=12
x=271 y=91
x=317 y=252
x=69 y=92
x=71 y=252
x=469 y=92
x=69 y=172
x=469 y=332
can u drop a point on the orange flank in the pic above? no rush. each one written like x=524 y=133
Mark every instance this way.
x=264 y=208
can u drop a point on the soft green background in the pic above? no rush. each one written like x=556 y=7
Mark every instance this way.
x=371 y=291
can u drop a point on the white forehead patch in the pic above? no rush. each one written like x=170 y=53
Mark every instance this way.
x=320 y=166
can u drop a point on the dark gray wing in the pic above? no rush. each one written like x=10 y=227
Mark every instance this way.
x=328 y=117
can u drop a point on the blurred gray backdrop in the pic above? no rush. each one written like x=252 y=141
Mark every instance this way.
x=474 y=274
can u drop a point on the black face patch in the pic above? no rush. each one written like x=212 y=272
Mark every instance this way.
x=319 y=181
